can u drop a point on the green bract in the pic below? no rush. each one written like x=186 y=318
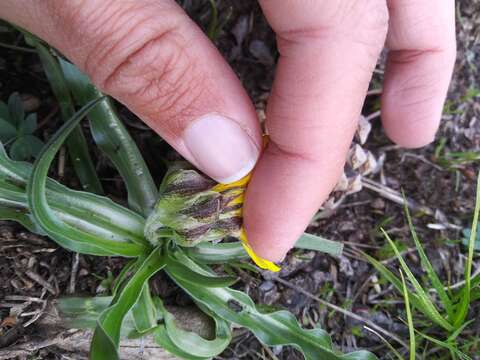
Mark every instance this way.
x=179 y=236
x=190 y=206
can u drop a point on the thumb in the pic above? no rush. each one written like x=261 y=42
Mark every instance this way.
x=151 y=56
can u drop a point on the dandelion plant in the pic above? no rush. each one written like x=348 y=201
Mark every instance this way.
x=179 y=228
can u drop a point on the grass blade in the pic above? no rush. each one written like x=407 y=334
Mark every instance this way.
x=411 y=329
x=113 y=139
x=463 y=306
x=427 y=266
x=66 y=235
x=76 y=143
x=427 y=306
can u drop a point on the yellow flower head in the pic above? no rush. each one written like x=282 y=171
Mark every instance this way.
x=242 y=184
x=199 y=210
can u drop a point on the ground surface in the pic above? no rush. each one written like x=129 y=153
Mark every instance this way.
x=34 y=268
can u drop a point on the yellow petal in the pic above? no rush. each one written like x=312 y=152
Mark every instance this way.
x=260 y=262
x=242 y=183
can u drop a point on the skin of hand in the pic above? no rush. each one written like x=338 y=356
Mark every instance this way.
x=151 y=57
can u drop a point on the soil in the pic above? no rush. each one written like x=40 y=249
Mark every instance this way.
x=33 y=268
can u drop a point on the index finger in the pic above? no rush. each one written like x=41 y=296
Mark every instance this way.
x=328 y=51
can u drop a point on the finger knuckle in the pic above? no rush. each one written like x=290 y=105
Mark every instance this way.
x=138 y=59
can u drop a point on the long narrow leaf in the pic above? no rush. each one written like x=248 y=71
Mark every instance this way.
x=209 y=253
x=113 y=139
x=182 y=271
x=92 y=213
x=317 y=243
x=278 y=328
x=106 y=337
x=428 y=306
x=161 y=338
x=76 y=143
x=463 y=306
x=395 y=281
x=145 y=311
x=66 y=235
x=427 y=266
x=411 y=329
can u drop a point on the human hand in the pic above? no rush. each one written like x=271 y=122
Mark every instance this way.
x=151 y=57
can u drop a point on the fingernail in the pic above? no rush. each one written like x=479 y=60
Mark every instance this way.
x=221 y=148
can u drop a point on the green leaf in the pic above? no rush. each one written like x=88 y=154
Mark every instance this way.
x=4 y=113
x=194 y=344
x=15 y=109
x=19 y=150
x=25 y=147
x=277 y=328
x=7 y=131
x=427 y=306
x=76 y=144
x=467 y=233
x=29 y=125
x=427 y=266
x=64 y=234
x=106 y=337
x=397 y=283
x=188 y=274
x=145 y=311
x=113 y=139
x=35 y=145
x=161 y=338
x=464 y=305
x=209 y=253
x=91 y=213
x=317 y=243
x=21 y=217
x=411 y=328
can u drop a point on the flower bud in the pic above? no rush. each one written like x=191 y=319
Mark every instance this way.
x=196 y=209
